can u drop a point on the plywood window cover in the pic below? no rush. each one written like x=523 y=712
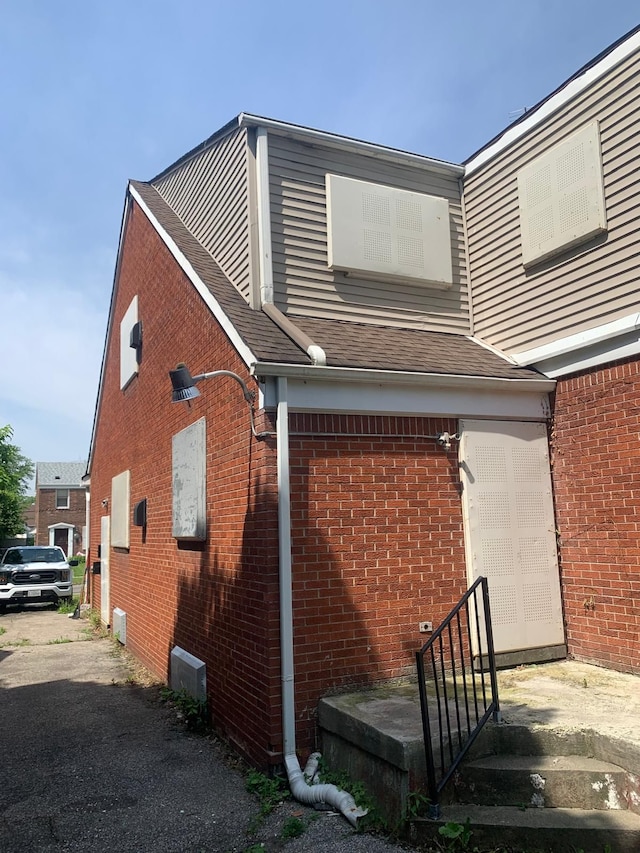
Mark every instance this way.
x=561 y=197
x=189 y=471
x=385 y=233
x=120 y=514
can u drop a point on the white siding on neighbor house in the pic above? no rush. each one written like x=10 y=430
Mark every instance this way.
x=589 y=285
x=210 y=194
x=303 y=283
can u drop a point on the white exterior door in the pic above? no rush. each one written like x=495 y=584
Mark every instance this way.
x=510 y=532
x=105 y=545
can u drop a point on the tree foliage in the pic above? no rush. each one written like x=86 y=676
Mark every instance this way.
x=15 y=472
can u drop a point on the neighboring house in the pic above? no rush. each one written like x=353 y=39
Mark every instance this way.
x=380 y=307
x=61 y=505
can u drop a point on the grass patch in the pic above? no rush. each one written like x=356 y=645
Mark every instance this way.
x=58 y=641
x=65 y=606
x=12 y=644
x=78 y=571
x=2 y=631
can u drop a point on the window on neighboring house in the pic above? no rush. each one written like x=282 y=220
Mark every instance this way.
x=62 y=498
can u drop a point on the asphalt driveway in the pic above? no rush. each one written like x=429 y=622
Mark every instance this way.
x=93 y=760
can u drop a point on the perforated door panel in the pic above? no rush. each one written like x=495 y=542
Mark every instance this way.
x=510 y=530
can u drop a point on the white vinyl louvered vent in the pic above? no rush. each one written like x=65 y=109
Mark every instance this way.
x=376 y=231
x=561 y=197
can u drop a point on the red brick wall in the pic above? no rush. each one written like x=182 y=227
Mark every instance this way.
x=378 y=546
x=218 y=600
x=377 y=525
x=47 y=514
x=596 y=474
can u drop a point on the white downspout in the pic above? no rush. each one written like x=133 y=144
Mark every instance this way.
x=298 y=781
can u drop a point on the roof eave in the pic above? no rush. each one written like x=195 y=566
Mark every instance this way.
x=433 y=380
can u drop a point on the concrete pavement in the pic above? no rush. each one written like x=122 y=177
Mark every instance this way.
x=93 y=761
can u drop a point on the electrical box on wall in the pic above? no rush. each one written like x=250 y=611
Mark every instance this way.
x=377 y=231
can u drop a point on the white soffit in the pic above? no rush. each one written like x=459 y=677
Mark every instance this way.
x=318 y=389
x=571 y=90
x=382 y=231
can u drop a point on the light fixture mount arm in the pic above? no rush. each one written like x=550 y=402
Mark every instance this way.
x=249 y=396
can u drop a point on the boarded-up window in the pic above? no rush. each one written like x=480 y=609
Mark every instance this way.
x=561 y=197
x=377 y=231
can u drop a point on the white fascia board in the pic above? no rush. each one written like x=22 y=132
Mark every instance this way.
x=555 y=102
x=214 y=306
x=392 y=377
x=414 y=400
x=347 y=143
x=581 y=341
x=598 y=354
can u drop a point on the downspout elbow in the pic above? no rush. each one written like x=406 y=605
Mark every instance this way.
x=309 y=794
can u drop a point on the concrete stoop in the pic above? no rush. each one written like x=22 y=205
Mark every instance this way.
x=524 y=787
x=548 y=830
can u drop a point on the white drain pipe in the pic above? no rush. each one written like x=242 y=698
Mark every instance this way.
x=298 y=781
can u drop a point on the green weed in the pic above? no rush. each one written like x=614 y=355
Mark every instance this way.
x=2 y=631
x=68 y=606
x=293 y=827
x=457 y=835
x=13 y=644
x=58 y=641
x=417 y=804
x=271 y=791
x=373 y=820
x=193 y=711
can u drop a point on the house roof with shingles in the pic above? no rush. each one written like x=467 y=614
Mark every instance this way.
x=60 y=475
x=346 y=344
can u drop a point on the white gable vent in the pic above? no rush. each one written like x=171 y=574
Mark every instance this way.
x=376 y=231
x=561 y=197
x=188 y=673
x=119 y=625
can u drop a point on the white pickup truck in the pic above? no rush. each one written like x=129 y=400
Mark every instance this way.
x=31 y=574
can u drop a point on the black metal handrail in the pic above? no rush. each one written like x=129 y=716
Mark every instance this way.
x=454 y=687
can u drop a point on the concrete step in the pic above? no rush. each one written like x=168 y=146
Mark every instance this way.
x=542 y=781
x=535 y=830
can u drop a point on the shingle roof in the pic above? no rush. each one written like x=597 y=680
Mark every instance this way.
x=365 y=346
x=60 y=475
x=347 y=344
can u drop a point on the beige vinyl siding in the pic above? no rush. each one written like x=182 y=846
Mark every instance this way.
x=303 y=283
x=589 y=285
x=210 y=194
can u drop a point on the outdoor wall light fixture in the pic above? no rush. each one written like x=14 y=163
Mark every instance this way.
x=444 y=439
x=184 y=390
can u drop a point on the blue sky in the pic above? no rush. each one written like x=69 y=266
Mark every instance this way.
x=95 y=93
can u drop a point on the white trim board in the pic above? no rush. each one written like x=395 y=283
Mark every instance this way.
x=367 y=398
x=571 y=90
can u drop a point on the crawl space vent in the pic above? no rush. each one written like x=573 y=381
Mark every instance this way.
x=188 y=673
x=119 y=625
